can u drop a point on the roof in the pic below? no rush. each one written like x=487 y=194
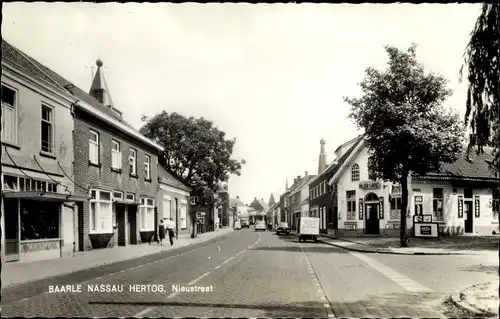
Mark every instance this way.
x=342 y=160
x=41 y=72
x=235 y=202
x=168 y=178
x=304 y=182
x=99 y=84
x=352 y=140
x=478 y=167
x=259 y=204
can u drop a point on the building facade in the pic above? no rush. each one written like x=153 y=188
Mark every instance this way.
x=38 y=192
x=260 y=210
x=172 y=200
x=461 y=197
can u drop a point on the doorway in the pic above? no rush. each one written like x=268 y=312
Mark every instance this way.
x=469 y=217
x=372 y=224
x=11 y=211
x=132 y=223
x=120 y=220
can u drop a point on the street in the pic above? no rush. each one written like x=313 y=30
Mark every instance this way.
x=260 y=274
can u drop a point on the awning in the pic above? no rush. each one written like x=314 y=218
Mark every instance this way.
x=126 y=202
x=47 y=196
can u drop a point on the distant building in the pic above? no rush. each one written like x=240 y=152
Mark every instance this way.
x=260 y=210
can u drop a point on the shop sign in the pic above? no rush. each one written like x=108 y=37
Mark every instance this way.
x=369 y=185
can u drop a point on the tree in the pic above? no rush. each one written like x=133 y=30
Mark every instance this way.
x=195 y=151
x=407 y=129
x=482 y=57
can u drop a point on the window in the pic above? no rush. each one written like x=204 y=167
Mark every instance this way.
x=147 y=167
x=147 y=214
x=116 y=155
x=132 y=160
x=496 y=203
x=130 y=197
x=167 y=208
x=94 y=147
x=468 y=193
x=351 y=205
x=437 y=203
x=324 y=218
x=321 y=189
x=117 y=195
x=395 y=208
x=9 y=115
x=47 y=129
x=101 y=212
x=355 y=173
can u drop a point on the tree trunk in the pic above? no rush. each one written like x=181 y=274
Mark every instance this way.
x=403 y=235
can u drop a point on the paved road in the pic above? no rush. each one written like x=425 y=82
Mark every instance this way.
x=259 y=275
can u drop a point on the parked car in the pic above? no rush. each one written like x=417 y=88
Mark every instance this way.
x=282 y=228
x=260 y=226
x=237 y=226
x=245 y=224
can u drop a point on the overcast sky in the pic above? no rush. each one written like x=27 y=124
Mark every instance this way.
x=273 y=76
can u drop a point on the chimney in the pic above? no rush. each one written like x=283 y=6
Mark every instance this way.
x=298 y=178
x=306 y=175
x=294 y=181
x=237 y=197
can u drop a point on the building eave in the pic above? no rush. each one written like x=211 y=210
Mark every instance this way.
x=456 y=178
x=116 y=124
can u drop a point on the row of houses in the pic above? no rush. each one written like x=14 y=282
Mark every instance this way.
x=463 y=197
x=75 y=175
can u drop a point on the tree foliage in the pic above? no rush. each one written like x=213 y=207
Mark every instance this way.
x=195 y=151
x=407 y=129
x=482 y=58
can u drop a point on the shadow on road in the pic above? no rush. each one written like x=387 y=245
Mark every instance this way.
x=383 y=305
x=491 y=269
x=307 y=249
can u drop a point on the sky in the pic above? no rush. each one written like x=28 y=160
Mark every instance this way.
x=271 y=76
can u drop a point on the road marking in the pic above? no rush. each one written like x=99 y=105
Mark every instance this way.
x=192 y=282
x=328 y=305
x=406 y=282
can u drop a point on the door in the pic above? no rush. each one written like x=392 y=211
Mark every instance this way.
x=11 y=213
x=183 y=216
x=120 y=221
x=371 y=219
x=469 y=217
x=132 y=223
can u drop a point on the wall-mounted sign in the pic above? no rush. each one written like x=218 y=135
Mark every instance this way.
x=369 y=185
x=350 y=226
x=418 y=218
x=418 y=205
x=476 y=206
x=427 y=230
x=381 y=208
x=360 y=209
x=427 y=218
x=418 y=199
x=460 y=207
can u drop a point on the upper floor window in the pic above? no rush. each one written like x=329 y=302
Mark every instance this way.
x=132 y=159
x=147 y=167
x=355 y=173
x=437 y=203
x=9 y=115
x=116 y=155
x=94 y=147
x=47 y=129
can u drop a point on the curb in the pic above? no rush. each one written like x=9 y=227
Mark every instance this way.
x=455 y=299
x=388 y=252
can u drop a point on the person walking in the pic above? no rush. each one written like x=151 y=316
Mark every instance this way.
x=171 y=228
x=161 y=232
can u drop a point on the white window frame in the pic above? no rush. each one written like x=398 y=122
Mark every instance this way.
x=96 y=224
x=50 y=122
x=169 y=212
x=116 y=155
x=132 y=161
x=147 y=214
x=351 y=210
x=147 y=166
x=15 y=114
x=94 y=155
x=130 y=200
x=355 y=173
x=117 y=197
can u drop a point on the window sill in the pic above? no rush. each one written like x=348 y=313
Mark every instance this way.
x=116 y=170
x=133 y=176
x=11 y=145
x=94 y=164
x=47 y=154
x=101 y=232
x=149 y=180
x=146 y=230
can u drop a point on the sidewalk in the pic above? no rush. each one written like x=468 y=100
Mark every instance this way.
x=368 y=245
x=481 y=300
x=17 y=273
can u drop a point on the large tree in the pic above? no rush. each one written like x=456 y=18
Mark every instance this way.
x=407 y=129
x=196 y=151
x=482 y=58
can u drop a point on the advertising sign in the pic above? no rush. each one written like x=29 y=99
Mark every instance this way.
x=460 y=207
x=381 y=208
x=476 y=206
x=430 y=230
x=360 y=208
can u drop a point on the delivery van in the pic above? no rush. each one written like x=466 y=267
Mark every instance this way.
x=308 y=228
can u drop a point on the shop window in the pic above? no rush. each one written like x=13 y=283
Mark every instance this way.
x=146 y=210
x=39 y=220
x=101 y=212
x=351 y=205
x=396 y=208
x=437 y=203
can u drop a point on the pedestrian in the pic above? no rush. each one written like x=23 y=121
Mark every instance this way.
x=161 y=232
x=170 y=228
